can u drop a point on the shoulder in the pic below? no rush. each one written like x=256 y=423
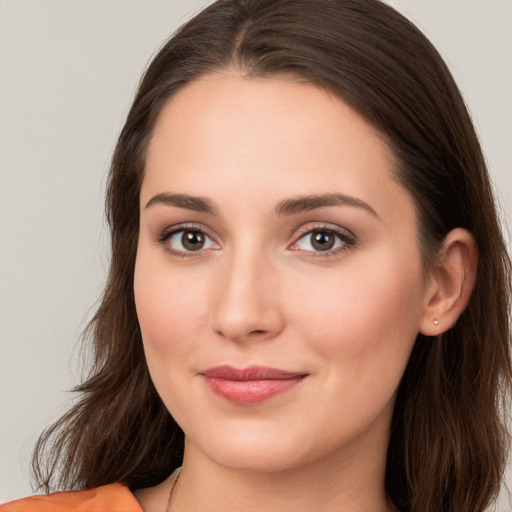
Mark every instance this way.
x=107 y=498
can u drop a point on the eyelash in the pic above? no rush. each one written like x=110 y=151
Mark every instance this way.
x=170 y=232
x=347 y=239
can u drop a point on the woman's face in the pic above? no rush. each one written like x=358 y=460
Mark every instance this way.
x=278 y=281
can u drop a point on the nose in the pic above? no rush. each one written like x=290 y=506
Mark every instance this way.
x=246 y=299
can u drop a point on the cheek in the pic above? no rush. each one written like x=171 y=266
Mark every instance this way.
x=169 y=309
x=366 y=315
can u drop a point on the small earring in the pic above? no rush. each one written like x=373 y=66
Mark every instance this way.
x=436 y=322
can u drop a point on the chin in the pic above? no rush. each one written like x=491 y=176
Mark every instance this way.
x=246 y=450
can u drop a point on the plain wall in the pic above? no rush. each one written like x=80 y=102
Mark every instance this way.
x=68 y=71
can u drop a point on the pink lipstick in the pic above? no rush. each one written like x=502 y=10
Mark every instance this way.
x=250 y=385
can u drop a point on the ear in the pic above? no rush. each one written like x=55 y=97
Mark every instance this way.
x=451 y=283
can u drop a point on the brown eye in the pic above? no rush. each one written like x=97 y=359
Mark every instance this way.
x=192 y=240
x=322 y=240
x=183 y=241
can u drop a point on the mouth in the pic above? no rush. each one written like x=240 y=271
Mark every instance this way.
x=250 y=385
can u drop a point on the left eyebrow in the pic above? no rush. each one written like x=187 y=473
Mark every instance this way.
x=305 y=203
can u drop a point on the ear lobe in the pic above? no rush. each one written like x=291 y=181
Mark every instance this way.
x=451 y=283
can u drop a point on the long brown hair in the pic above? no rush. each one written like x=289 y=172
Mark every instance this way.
x=448 y=441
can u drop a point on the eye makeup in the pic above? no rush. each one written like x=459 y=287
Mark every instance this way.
x=190 y=240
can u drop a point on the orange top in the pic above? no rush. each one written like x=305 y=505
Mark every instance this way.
x=107 y=498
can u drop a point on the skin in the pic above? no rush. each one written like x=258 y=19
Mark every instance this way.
x=259 y=293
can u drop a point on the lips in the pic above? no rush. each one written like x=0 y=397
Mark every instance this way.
x=250 y=385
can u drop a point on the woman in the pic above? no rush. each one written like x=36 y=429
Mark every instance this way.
x=307 y=273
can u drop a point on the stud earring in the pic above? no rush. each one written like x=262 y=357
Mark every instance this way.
x=436 y=322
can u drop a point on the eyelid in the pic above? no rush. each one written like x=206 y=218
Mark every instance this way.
x=326 y=226
x=170 y=231
x=345 y=235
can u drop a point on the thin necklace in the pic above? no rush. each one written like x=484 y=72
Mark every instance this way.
x=171 y=492
x=173 y=488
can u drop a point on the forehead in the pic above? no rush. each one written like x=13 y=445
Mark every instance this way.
x=227 y=133
x=230 y=106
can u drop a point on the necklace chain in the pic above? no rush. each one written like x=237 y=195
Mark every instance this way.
x=173 y=488
x=171 y=492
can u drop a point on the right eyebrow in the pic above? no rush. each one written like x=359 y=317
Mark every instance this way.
x=197 y=204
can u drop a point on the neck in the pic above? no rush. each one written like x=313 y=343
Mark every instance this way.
x=323 y=485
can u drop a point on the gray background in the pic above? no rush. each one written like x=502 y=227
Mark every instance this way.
x=68 y=70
